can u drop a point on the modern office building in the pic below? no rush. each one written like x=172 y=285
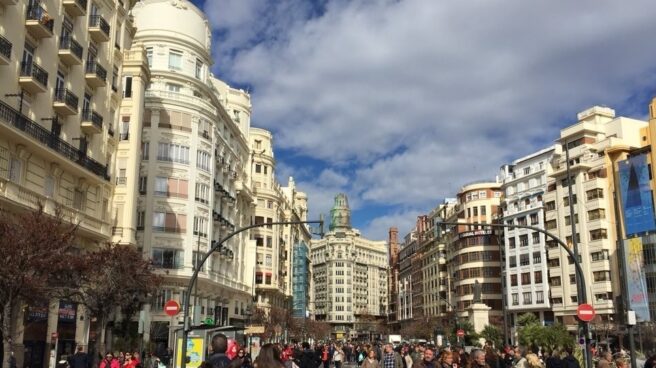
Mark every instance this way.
x=474 y=252
x=193 y=175
x=350 y=277
x=60 y=62
x=525 y=270
x=594 y=142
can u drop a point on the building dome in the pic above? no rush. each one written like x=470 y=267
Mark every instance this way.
x=173 y=18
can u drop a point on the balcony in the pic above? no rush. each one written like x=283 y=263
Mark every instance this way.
x=98 y=28
x=70 y=52
x=75 y=8
x=96 y=75
x=5 y=51
x=92 y=122
x=30 y=130
x=65 y=102
x=38 y=22
x=33 y=78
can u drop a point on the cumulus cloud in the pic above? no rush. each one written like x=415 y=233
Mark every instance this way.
x=405 y=101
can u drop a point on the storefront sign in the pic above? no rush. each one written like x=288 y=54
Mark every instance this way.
x=467 y=234
x=67 y=312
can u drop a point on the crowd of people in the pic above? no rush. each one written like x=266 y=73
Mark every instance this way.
x=329 y=355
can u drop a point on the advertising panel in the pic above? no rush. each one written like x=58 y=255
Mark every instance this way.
x=637 y=203
x=634 y=265
x=195 y=352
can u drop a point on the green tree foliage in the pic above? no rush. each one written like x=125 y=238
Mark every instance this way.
x=493 y=334
x=533 y=334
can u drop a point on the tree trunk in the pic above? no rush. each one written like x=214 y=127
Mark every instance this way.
x=6 y=332
x=101 y=336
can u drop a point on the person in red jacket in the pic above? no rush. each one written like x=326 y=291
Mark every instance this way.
x=109 y=362
x=130 y=361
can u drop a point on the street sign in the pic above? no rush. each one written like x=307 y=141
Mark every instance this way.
x=252 y=330
x=460 y=333
x=585 y=312
x=172 y=308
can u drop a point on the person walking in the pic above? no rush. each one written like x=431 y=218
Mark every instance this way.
x=570 y=360
x=606 y=360
x=390 y=358
x=520 y=358
x=109 y=362
x=219 y=359
x=428 y=360
x=308 y=358
x=269 y=357
x=370 y=361
x=478 y=359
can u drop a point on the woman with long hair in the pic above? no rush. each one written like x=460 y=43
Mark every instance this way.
x=446 y=359
x=269 y=357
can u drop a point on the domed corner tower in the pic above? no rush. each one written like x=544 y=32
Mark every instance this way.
x=340 y=214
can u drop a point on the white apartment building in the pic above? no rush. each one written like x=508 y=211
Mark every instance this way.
x=194 y=175
x=274 y=243
x=60 y=62
x=525 y=270
x=592 y=140
x=350 y=276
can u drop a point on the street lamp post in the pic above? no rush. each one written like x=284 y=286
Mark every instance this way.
x=577 y=265
x=217 y=246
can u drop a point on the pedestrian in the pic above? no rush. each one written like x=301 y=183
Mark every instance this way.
x=219 y=359
x=621 y=363
x=338 y=356
x=554 y=361
x=109 y=362
x=391 y=359
x=427 y=361
x=446 y=359
x=651 y=361
x=370 y=361
x=407 y=359
x=130 y=361
x=80 y=359
x=308 y=357
x=606 y=360
x=520 y=358
x=570 y=360
x=533 y=361
x=478 y=359
x=325 y=357
x=269 y=357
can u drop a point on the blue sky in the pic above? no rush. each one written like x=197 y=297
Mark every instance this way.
x=399 y=102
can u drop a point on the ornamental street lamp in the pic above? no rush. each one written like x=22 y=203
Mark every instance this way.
x=217 y=246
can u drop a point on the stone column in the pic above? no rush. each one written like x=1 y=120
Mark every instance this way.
x=479 y=316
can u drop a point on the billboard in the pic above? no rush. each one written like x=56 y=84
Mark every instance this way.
x=637 y=203
x=634 y=266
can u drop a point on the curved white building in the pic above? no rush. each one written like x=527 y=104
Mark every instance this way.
x=193 y=180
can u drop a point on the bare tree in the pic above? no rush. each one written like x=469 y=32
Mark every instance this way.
x=36 y=249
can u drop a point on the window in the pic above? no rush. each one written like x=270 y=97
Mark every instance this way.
x=527 y=170
x=15 y=170
x=200 y=226
x=524 y=260
x=172 y=87
x=127 y=87
x=527 y=298
x=199 y=69
x=169 y=222
x=198 y=256
x=572 y=279
x=537 y=258
x=534 y=219
x=79 y=199
x=511 y=243
x=598 y=234
x=258 y=144
x=526 y=278
x=523 y=240
x=550 y=225
x=259 y=259
x=49 y=186
x=258 y=278
x=167 y=258
x=568 y=239
x=568 y=220
x=537 y=277
x=268 y=279
x=515 y=299
x=175 y=59
x=172 y=152
x=574 y=299
x=145 y=147
x=202 y=193
x=550 y=206
x=535 y=238
x=269 y=242
x=513 y=280
x=555 y=281
x=512 y=261
x=143 y=184
x=597 y=214
x=539 y=297
x=555 y=262
x=475 y=211
x=599 y=256
x=149 y=56
x=600 y=276
x=556 y=300
x=141 y=220
x=258 y=168
x=203 y=160
x=593 y=194
x=483 y=210
x=566 y=200
x=521 y=221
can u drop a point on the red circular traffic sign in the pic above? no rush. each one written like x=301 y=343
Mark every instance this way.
x=460 y=333
x=172 y=308
x=585 y=312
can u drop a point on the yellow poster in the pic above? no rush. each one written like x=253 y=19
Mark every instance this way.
x=195 y=348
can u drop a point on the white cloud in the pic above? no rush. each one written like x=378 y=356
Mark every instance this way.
x=404 y=221
x=417 y=97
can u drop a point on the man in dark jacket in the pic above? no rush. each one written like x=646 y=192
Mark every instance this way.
x=219 y=359
x=80 y=359
x=308 y=358
x=570 y=360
